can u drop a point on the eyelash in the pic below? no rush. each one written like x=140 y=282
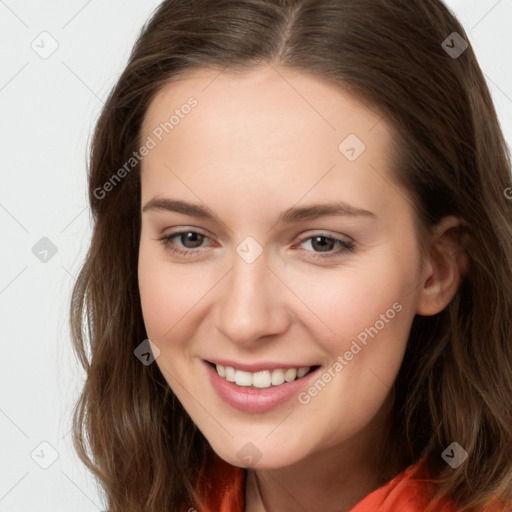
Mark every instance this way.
x=346 y=247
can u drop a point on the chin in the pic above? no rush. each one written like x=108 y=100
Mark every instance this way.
x=259 y=454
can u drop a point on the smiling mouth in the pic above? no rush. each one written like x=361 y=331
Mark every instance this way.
x=261 y=379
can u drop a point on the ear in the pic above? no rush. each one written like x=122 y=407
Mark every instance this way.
x=445 y=266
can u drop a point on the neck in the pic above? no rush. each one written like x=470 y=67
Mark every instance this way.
x=331 y=480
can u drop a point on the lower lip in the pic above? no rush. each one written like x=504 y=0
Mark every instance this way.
x=256 y=400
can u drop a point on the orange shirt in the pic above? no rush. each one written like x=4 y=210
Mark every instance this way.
x=406 y=492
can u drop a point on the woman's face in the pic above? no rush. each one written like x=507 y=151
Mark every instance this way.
x=296 y=250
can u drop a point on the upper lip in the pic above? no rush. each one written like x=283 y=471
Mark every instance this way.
x=257 y=367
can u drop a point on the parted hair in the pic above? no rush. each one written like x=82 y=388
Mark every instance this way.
x=450 y=156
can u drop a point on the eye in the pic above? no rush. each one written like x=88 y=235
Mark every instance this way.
x=324 y=246
x=189 y=242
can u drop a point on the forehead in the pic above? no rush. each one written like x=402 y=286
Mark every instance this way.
x=265 y=130
x=260 y=100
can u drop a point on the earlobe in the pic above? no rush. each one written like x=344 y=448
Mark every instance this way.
x=445 y=267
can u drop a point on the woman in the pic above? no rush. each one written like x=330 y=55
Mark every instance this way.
x=298 y=290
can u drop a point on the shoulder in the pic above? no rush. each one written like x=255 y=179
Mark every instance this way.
x=409 y=491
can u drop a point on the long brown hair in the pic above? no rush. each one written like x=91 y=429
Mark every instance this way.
x=455 y=383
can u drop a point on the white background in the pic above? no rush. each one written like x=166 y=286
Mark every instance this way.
x=48 y=109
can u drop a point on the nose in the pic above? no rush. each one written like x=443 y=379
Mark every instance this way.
x=251 y=303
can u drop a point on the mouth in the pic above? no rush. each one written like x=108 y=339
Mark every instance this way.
x=259 y=391
x=261 y=379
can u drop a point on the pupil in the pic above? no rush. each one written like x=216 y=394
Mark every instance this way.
x=323 y=247
x=196 y=238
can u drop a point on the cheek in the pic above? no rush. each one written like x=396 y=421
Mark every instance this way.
x=370 y=311
x=165 y=297
x=174 y=297
x=154 y=295
x=359 y=303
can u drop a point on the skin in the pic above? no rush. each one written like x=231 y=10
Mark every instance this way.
x=257 y=144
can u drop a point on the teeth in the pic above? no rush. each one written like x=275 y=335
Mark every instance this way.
x=277 y=377
x=221 y=370
x=262 y=379
x=243 y=378
x=230 y=373
x=290 y=374
x=302 y=371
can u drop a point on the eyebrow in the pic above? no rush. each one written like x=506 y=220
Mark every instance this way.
x=289 y=216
